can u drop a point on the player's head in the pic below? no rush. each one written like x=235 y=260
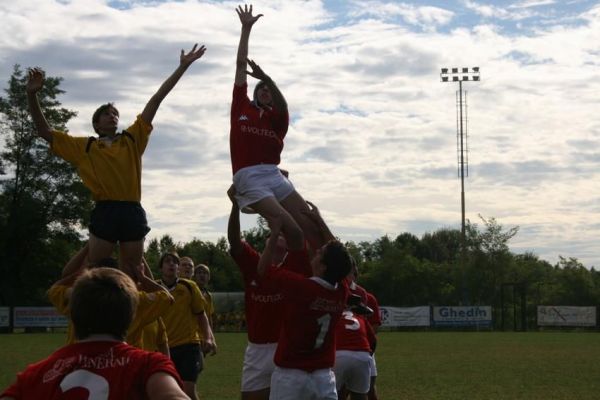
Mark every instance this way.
x=103 y=302
x=262 y=94
x=202 y=275
x=105 y=119
x=169 y=265
x=332 y=262
x=186 y=268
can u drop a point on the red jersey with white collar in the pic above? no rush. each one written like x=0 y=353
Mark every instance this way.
x=375 y=318
x=353 y=332
x=256 y=134
x=263 y=301
x=312 y=310
x=91 y=370
x=357 y=290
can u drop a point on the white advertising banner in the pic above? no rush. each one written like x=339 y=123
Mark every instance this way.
x=405 y=316
x=38 y=316
x=566 y=316
x=462 y=316
x=4 y=317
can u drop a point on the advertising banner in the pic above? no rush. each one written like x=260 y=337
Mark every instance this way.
x=4 y=317
x=462 y=316
x=38 y=316
x=405 y=316
x=566 y=316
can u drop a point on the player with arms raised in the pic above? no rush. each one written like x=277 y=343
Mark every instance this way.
x=306 y=349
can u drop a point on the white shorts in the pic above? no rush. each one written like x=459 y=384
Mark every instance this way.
x=295 y=384
x=353 y=370
x=257 y=182
x=373 y=366
x=258 y=366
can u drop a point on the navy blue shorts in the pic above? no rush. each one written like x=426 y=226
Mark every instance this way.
x=119 y=221
x=187 y=360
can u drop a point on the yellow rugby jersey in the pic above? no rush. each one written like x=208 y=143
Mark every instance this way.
x=210 y=310
x=180 y=319
x=154 y=335
x=150 y=307
x=111 y=171
x=59 y=297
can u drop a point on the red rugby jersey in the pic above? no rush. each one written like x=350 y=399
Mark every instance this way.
x=263 y=301
x=256 y=135
x=312 y=310
x=352 y=333
x=375 y=318
x=264 y=305
x=99 y=370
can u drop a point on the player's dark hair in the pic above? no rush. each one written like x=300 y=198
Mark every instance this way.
x=104 y=301
x=255 y=95
x=337 y=260
x=171 y=254
x=99 y=111
x=201 y=267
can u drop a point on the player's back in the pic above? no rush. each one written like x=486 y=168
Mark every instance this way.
x=352 y=333
x=106 y=370
x=312 y=309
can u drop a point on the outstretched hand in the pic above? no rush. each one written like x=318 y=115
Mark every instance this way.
x=257 y=71
x=246 y=17
x=193 y=55
x=35 y=80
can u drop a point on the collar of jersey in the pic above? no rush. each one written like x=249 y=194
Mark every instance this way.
x=172 y=287
x=323 y=283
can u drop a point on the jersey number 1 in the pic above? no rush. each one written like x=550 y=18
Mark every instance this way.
x=323 y=328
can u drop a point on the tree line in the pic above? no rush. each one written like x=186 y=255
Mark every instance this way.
x=44 y=208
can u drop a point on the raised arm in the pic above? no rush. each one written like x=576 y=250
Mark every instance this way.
x=266 y=258
x=35 y=82
x=234 y=236
x=315 y=216
x=257 y=72
x=247 y=20
x=78 y=261
x=143 y=276
x=185 y=60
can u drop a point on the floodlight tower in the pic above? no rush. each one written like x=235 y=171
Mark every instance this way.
x=461 y=75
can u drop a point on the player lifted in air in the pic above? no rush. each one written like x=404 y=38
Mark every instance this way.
x=110 y=166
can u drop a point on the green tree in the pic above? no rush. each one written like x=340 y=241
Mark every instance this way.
x=43 y=204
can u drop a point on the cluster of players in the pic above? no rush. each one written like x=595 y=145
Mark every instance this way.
x=311 y=327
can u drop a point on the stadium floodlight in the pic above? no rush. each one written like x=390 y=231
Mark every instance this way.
x=460 y=75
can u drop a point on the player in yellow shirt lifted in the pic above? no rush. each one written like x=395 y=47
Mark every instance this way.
x=110 y=166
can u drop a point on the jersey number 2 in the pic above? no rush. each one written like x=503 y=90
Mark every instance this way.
x=96 y=385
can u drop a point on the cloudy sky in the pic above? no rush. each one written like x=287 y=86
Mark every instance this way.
x=372 y=139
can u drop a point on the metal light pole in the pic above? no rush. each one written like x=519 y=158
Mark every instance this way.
x=461 y=75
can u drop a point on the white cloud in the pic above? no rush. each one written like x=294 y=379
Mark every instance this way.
x=423 y=16
x=373 y=134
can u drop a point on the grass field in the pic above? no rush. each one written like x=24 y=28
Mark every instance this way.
x=412 y=365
